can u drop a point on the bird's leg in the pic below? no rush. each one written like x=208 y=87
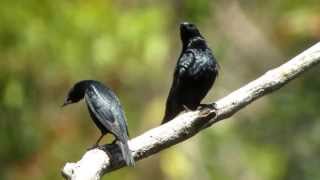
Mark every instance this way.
x=99 y=139
x=114 y=141
x=95 y=145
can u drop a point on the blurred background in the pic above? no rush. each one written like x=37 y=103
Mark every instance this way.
x=132 y=46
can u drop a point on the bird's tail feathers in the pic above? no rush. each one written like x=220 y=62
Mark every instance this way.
x=165 y=119
x=170 y=114
x=126 y=152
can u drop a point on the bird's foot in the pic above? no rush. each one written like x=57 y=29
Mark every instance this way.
x=97 y=146
x=212 y=106
x=102 y=148
x=114 y=141
x=208 y=109
x=186 y=109
x=93 y=147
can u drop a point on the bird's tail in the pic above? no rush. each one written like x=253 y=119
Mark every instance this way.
x=167 y=117
x=126 y=152
x=170 y=114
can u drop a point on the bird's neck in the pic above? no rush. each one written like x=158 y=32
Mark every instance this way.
x=197 y=42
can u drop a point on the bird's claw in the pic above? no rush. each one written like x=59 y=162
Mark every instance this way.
x=206 y=109
x=93 y=147
x=102 y=148
x=186 y=108
x=97 y=146
x=212 y=106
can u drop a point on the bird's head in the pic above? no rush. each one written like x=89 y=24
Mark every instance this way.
x=188 y=31
x=75 y=94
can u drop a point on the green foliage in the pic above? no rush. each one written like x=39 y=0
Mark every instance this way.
x=46 y=46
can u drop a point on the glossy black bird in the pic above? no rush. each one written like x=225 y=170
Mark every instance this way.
x=106 y=112
x=195 y=73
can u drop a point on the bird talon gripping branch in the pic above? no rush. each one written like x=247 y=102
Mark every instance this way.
x=93 y=147
x=212 y=106
x=186 y=108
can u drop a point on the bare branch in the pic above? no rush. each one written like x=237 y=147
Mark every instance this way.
x=96 y=163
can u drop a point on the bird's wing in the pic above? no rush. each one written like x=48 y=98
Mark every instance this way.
x=101 y=106
x=121 y=119
x=185 y=62
x=217 y=66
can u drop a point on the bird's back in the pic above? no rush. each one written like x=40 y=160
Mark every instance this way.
x=107 y=108
x=106 y=112
x=194 y=75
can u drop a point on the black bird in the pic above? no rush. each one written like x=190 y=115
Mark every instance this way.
x=195 y=73
x=106 y=112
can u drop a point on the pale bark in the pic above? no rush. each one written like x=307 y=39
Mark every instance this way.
x=95 y=163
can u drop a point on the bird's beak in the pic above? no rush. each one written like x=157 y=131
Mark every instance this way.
x=184 y=23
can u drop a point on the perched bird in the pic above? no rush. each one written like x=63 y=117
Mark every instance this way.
x=195 y=73
x=106 y=112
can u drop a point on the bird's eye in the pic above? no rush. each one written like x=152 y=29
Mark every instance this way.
x=190 y=26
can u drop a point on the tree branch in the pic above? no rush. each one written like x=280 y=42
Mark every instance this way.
x=95 y=163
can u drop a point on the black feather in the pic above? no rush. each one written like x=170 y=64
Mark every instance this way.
x=194 y=75
x=106 y=112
